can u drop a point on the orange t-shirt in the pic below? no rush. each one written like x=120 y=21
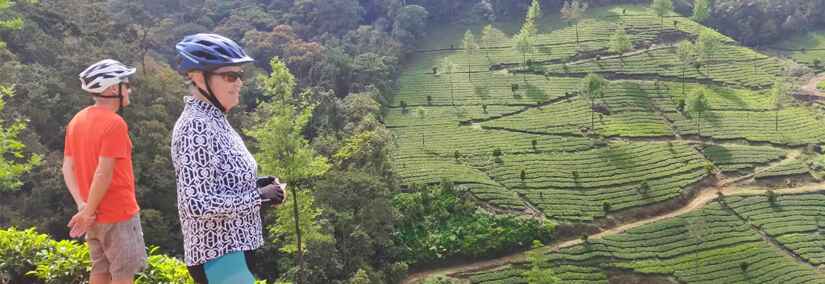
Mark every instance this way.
x=97 y=132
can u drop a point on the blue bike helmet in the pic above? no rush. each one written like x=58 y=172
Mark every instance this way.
x=207 y=52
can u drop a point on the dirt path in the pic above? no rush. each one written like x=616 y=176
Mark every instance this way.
x=703 y=198
x=810 y=88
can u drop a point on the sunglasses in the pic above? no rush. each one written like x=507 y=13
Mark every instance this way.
x=230 y=76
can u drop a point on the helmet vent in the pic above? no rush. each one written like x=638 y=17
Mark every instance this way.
x=206 y=43
x=203 y=54
x=223 y=51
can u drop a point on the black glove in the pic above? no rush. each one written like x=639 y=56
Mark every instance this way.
x=270 y=190
x=264 y=181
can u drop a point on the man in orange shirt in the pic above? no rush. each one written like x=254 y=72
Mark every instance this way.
x=97 y=169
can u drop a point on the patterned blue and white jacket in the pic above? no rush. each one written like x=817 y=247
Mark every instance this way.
x=218 y=201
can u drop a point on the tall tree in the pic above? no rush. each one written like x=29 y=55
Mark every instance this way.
x=410 y=24
x=573 y=11
x=662 y=8
x=470 y=49
x=533 y=14
x=779 y=90
x=523 y=43
x=698 y=103
x=620 y=42
x=687 y=55
x=701 y=10
x=593 y=87
x=284 y=152
x=449 y=67
x=359 y=209
x=707 y=45
x=489 y=37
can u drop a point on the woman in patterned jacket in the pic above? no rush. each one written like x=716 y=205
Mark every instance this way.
x=218 y=199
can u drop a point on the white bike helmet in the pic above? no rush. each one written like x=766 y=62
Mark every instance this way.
x=103 y=74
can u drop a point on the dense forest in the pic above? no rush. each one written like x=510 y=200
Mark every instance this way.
x=336 y=63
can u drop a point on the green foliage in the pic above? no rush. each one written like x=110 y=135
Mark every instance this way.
x=8 y=24
x=821 y=85
x=358 y=208
x=437 y=279
x=593 y=86
x=533 y=14
x=282 y=149
x=619 y=42
x=33 y=255
x=62 y=262
x=439 y=223
x=13 y=163
x=538 y=273
x=701 y=10
x=471 y=47
x=662 y=7
x=284 y=228
x=707 y=45
x=360 y=277
x=490 y=36
x=698 y=101
x=523 y=42
x=164 y=269
x=19 y=251
x=573 y=11
x=686 y=52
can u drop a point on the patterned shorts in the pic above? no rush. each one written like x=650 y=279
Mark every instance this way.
x=117 y=249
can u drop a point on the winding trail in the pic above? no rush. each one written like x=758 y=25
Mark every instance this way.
x=810 y=88
x=699 y=201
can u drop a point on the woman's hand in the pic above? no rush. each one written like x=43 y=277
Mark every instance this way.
x=273 y=192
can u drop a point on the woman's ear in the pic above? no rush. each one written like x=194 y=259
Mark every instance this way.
x=196 y=77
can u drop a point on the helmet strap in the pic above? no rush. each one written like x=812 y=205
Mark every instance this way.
x=209 y=94
x=120 y=97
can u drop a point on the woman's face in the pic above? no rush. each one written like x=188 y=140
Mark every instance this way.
x=226 y=83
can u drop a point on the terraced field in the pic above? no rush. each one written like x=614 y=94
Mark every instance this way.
x=577 y=186
x=795 y=221
x=525 y=140
x=482 y=128
x=734 y=158
x=712 y=245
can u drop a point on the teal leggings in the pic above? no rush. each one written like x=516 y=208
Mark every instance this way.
x=232 y=268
